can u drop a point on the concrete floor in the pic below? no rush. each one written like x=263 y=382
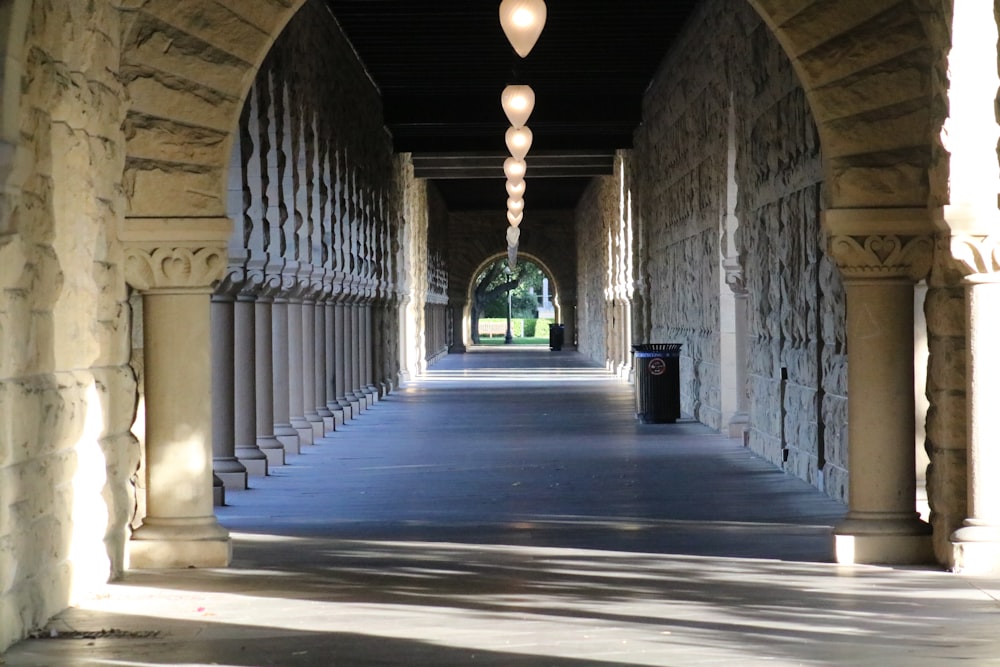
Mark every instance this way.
x=508 y=509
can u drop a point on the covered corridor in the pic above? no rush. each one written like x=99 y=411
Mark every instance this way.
x=506 y=508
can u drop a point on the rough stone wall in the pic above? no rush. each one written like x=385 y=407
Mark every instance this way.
x=605 y=275
x=595 y=214
x=796 y=341
x=67 y=395
x=796 y=314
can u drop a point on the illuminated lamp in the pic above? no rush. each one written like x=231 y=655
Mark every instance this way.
x=514 y=220
x=514 y=169
x=516 y=188
x=522 y=21
x=518 y=102
x=518 y=141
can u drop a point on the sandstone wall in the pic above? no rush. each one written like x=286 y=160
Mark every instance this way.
x=727 y=60
x=67 y=395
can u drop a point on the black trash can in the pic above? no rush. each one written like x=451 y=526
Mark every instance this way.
x=556 y=334
x=657 y=382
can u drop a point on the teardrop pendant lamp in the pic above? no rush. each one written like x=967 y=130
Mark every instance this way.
x=518 y=141
x=515 y=206
x=514 y=220
x=516 y=188
x=518 y=102
x=514 y=169
x=522 y=21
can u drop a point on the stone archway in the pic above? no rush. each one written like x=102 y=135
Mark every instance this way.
x=466 y=314
x=869 y=75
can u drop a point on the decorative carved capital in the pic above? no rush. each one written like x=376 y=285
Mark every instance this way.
x=174 y=267
x=883 y=256
x=976 y=254
x=734 y=277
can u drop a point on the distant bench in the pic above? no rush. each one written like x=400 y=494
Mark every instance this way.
x=487 y=328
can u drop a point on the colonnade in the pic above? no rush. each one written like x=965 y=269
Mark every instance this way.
x=307 y=279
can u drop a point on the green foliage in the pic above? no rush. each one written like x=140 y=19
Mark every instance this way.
x=523 y=297
x=541 y=328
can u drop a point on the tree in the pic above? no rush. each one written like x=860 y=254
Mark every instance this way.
x=491 y=283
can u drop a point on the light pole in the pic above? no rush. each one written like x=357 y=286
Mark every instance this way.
x=509 y=337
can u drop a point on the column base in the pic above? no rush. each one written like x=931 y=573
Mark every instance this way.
x=218 y=491
x=318 y=429
x=179 y=543
x=739 y=424
x=273 y=450
x=976 y=549
x=304 y=429
x=253 y=459
x=457 y=349
x=288 y=437
x=347 y=409
x=879 y=539
x=233 y=480
x=338 y=415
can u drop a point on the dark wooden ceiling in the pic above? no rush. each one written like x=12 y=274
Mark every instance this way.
x=441 y=66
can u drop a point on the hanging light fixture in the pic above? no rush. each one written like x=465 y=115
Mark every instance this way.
x=513 y=236
x=515 y=206
x=516 y=188
x=518 y=102
x=518 y=141
x=514 y=168
x=514 y=220
x=522 y=21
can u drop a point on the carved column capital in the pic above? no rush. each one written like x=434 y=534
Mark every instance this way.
x=882 y=256
x=978 y=257
x=174 y=267
x=735 y=279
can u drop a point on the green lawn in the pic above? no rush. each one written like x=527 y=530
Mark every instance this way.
x=498 y=340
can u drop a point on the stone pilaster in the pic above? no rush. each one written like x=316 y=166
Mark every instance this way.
x=740 y=421
x=977 y=543
x=174 y=264
x=879 y=271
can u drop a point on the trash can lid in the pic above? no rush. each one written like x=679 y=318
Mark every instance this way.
x=657 y=349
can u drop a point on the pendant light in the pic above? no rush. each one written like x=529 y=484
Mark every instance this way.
x=518 y=141
x=516 y=188
x=514 y=168
x=518 y=102
x=514 y=220
x=522 y=21
x=515 y=206
x=513 y=236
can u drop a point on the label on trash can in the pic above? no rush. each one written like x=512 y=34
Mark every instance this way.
x=657 y=366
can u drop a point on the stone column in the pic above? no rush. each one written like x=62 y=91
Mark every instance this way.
x=309 y=373
x=882 y=524
x=287 y=434
x=225 y=465
x=293 y=334
x=567 y=313
x=740 y=421
x=330 y=378
x=247 y=448
x=977 y=542
x=368 y=370
x=354 y=393
x=456 y=301
x=272 y=447
x=341 y=378
x=322 y=344
x=179 y=529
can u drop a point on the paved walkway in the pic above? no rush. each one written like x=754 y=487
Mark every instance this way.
x=508 y=509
